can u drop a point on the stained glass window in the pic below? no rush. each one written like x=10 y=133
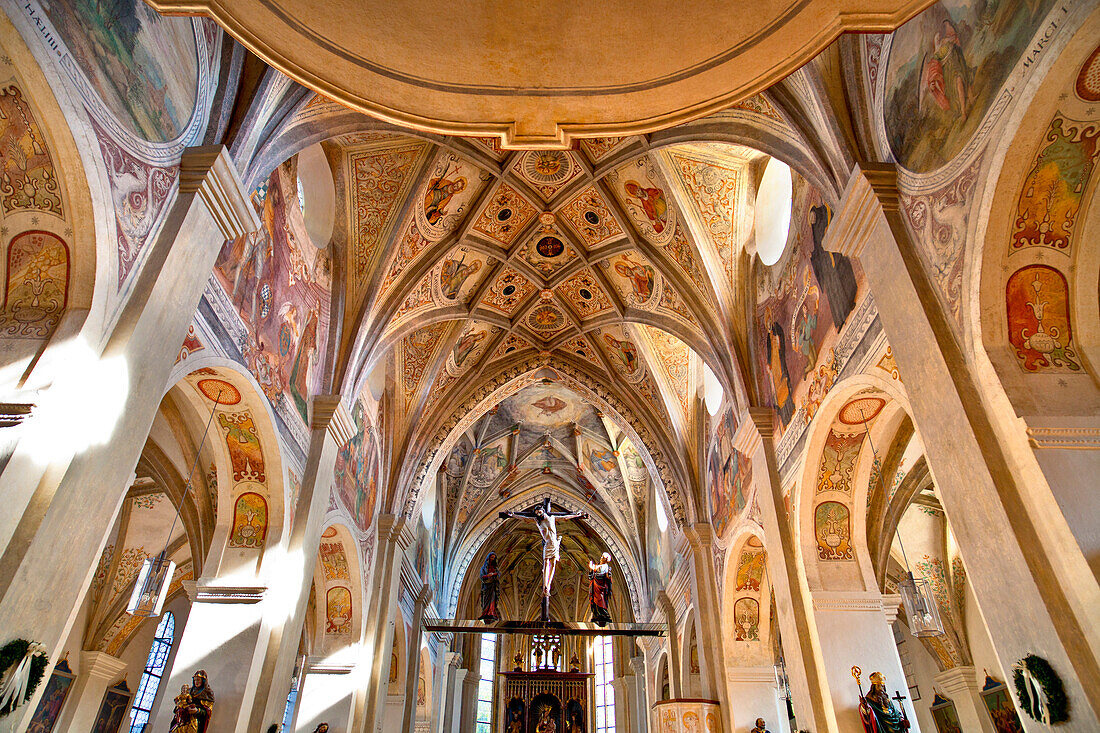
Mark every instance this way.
x=154 y=669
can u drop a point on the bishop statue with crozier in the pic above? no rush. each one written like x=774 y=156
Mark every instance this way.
x=546 y=520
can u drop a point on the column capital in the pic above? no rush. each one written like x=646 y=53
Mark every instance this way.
x=637 y=663
x=700 y=535
x=872 y=189
x=958 y=680
x=751 y=674
x=329 y=413
x=209 y=172
x=203 y=591
x=101 y=665
x=891 y=602
x=391 y=528
x=322 y=665
x=754 y=425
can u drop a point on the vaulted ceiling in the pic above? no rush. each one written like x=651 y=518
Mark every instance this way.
x=537 y=73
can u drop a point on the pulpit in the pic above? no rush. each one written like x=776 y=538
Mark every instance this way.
x=545 y=702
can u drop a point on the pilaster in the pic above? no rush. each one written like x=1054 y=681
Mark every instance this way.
x=331 y=427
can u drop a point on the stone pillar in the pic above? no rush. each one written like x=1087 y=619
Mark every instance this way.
x=468 y=696
x=332 y=427
x=855 y=628
x=620 y=687
x=226 y=636
x=96 y=673
x=674 y=683
x=327 y=695
x=809 y=698
x=72 y=493
x=708 y=617
x=412 y=668
x=752 y=695
x=454 y=677
x=960 y=684
x=1033 y=586
x=381 y=613
x=75 y=491
x=639 y=704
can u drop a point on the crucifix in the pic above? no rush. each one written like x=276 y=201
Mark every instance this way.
x=899 y=697
x=546 y=520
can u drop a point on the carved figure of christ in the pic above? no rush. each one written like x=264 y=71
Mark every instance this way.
x=546 y=521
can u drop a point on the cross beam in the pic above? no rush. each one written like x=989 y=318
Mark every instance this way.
x=530 y=628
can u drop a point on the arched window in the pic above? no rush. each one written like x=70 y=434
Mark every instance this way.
x=488 y=668
x=150 y=678
x=603 y=662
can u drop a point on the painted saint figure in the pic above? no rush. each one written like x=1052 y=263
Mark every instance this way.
x=759 y=726
x=639 y=275
x=454 y=274
x=652 y=201
x=877 y=710
x=599 y=592
x=439 y=194
x=546 y=520
x=781 y=377
x=490 y=589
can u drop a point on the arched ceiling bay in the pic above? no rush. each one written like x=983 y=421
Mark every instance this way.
x=543 y=71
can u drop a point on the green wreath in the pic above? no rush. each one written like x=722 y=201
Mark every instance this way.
x=11 y=654
x=1057 y=704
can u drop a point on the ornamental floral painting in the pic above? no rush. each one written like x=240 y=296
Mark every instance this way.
x=1051 y=196
x=833 y=530
x=279 y=283
x=338 y=611
x=1037 y=300
x=249 y=522
x=946 y=67
x=37 y=287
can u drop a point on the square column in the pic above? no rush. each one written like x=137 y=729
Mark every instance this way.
x=96 y=673
x=960 y=684
x=809 y=688
x=327 y=695
x=332 y=427
x=1033 y=586
x=752 y=695
x=75 y=491
x=855 y=628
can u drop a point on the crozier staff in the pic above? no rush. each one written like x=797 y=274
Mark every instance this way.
x=546 y=520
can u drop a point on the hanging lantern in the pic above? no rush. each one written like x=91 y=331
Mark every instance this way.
x=920 y=606
x=151 y=587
